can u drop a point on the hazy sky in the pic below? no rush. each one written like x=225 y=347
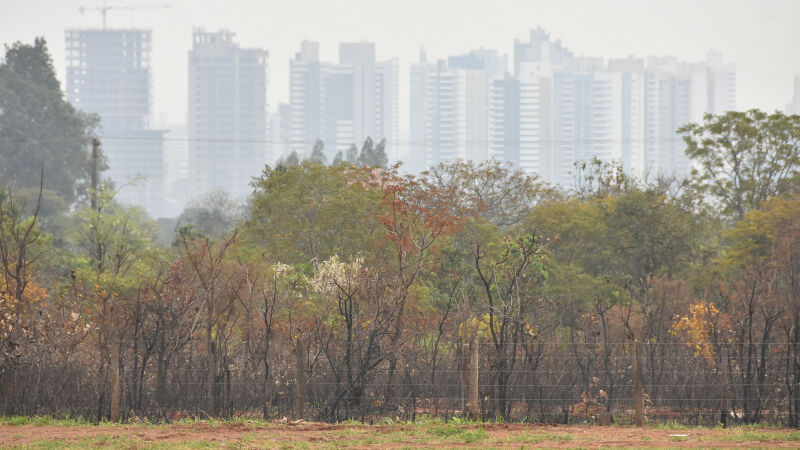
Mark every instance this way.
x=760 y=36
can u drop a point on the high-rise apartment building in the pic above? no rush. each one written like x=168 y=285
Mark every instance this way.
x=387 y=109
x=417 y=121
x=109 y=73
x=343 y=103
x=519 y=119
x=793 y=107
x=449 y=103
x=721 y=78
x=279 y=133
x=305 y=91
x=227 y=114
x=632 y=85
x=560 y=109
x=539 y=49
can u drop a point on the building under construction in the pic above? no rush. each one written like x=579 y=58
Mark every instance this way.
x=109 y=73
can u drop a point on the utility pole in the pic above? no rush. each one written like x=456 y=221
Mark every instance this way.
x=95 y=158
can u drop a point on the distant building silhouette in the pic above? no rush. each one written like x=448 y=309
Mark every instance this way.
x=559 y=109
x=449 y=107
x=794 y=104
x=227 y=114
x=343 y=103
x=279 y=132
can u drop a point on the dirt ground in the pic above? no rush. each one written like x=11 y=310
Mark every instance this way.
x=315 y=435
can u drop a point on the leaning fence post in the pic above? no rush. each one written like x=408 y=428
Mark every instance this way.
x=724 y=395
x=473 y=379
x=299 y=404
x=115 y=383
x=638 y=394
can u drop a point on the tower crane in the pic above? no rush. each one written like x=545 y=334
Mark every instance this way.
x=105 y=8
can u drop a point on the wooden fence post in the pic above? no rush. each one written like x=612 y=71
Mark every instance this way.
x=115 y=384
x=724 y=408
x=474 y=405
x=299 y=404
x=638 y=394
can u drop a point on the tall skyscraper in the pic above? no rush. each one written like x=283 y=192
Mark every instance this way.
x=417 y=107
x=449 y=103
x=539 y=49
x=387 y=109
x=560 y=109
x=343 y=103
x=519 y=119
x=305 y=98
x=671 y=89
x=631 y=71
x=359 y=59
x=586 y=117
x=176 y=171
x=109 y=73
x=794 y=104
x=721 y=84
x=227 y=113
x=279 y=132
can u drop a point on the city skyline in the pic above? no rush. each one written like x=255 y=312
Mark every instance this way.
x=686 y=30
x=555 y=109
x=558 y=109
x=540 y=106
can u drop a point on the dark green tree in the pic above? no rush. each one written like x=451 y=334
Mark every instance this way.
x=373 y=155
x=379 y=158
x=320 y=211
x=213 y=215
x=318 y=153
x=338 y=159
x=292 y=160
x=365 y=157
x=38 y=128
x=352 y=154
x=744 y=158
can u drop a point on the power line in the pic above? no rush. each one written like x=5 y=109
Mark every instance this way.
x=394 y=142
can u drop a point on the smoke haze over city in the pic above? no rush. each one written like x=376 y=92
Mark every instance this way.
x=749 y=44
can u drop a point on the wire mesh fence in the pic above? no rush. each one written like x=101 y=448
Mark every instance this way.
x=531 y=382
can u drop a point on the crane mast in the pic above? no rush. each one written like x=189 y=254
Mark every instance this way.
x=106 y=7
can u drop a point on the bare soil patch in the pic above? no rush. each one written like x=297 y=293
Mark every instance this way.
x=270 y=435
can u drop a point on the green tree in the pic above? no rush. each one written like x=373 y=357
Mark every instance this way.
x=373 y=155
x=312 y=211
x=291 y=160
x=490 y=189
x=338 y=159
x=318 y=153
x=352 y=154
x=22 y=246
x=113 y=239
x=598 y=179
x=366 y=156
x=744 y=158
x=38 y=128
x=213 y=215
